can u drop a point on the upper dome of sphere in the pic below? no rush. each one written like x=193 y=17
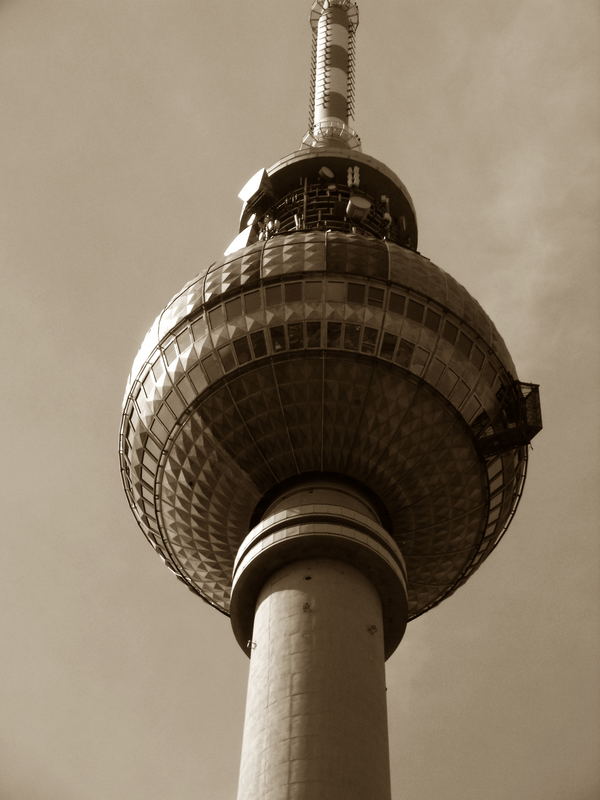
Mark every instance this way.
x=329 y=352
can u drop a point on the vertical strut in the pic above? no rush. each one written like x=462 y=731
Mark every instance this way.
x=333 y=24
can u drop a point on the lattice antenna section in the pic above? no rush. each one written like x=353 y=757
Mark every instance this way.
x=333 y=24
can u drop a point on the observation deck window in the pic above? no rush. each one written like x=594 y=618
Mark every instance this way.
x=312 y=291
x=404 y=353
x=273 y=295
x=258 y=344
x=369 y=342
x=356 y=293
x=464 y=344
x=313 y=334
x=296 y=335
x=351 y=337
x=233 y=309
x=388 y=345
x=397 y=303
x=450 y=332
x=278 y=338
x=375 y=296
x=432 y=320
x=415 y=310
x=252 y=302
x=293 y=292
x=242 y=350
x=334 y=334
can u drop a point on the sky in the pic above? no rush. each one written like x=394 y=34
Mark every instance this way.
x=128 y=127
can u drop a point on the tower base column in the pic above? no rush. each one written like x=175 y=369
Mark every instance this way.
x=316 y=720
x=318 y=603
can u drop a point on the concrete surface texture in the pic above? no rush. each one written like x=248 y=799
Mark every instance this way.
x=316 y=722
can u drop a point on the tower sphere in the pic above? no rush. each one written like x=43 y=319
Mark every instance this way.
x=325 y=345
x=325 y=350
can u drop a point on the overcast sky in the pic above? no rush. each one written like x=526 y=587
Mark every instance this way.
x=127 y=128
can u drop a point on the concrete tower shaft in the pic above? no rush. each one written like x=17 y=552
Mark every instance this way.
x=320 y=587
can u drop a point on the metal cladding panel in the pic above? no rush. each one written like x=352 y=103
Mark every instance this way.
x=320 y=352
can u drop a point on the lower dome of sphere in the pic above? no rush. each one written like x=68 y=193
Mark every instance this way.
x=320 y=352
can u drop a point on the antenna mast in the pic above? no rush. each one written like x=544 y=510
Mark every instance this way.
x=334 y=24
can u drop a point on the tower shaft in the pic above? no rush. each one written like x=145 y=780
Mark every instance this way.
x=318 y=602
x=316 y=722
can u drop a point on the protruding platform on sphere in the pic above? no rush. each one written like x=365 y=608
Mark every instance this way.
x=320 y=519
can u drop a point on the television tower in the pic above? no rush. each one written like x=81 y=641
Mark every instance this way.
x=323 y=436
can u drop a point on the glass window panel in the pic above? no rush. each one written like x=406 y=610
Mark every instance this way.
x=404 y=353
x=171 y=353
x=450 y=332
x=396 y=303
x=495 y=468
x=242 y=350
x=159 y=430
x=477 y=357
x=216 y=317
x=233 y=308
x=313 y=334
x=334 y=334
x=166 y=416
x=252 y=302
x=356 y=293
x=227 y=357
x=461 y=390
x=489 y=374
x=158 y=369
x=375 y=296
x=369 y=340
x=175 y=404
x=312 y=291
x=351 y=336
x=494 y=515
x=293 y=292
x=296 y=335
x=471 y=408
x=447 y=382
x=211 y=368
x=277 y=338
x=149 y=384
x=420 y=357
x=153 y=448
x=432 y=320
x=415 y=310
x=184 y=340
x=464 y=344
x=198 y=377
x=273 y=294
x=496 y=483
x=147 y=475
x=388 y=345
x=199 y=328
x=149 y=462
x=335 y=292
x=258 y=344
x=187 y=390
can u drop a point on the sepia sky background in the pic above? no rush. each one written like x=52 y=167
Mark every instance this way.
x=127 y=128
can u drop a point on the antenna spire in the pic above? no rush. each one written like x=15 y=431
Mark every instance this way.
x=334 y=24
